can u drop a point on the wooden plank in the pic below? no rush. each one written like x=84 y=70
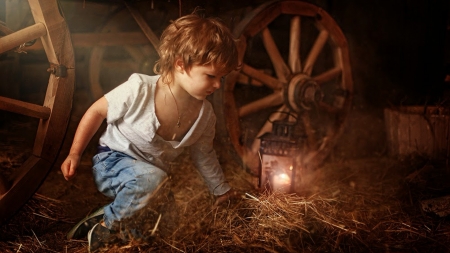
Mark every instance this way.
x=442 y=140
x=418 y=130
x=403 y=133
x=394 y=124
x=414 y=142
x=389 y=126
x=422 y=140
x=24 y=108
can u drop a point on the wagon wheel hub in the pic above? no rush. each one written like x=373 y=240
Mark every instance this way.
x=302 y=93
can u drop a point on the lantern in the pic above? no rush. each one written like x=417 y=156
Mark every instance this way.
x=278 y=151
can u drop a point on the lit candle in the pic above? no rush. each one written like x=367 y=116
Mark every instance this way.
x=281 y=182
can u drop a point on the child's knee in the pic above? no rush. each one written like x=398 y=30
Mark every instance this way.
x=150 y=181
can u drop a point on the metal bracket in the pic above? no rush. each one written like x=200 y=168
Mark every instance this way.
x=58 y=70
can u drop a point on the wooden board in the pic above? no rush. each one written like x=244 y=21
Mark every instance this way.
x=418 y=130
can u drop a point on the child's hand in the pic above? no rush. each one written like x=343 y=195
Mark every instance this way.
x=70 y=165
x=229 y=195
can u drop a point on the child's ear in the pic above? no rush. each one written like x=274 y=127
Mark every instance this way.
x=179 y=65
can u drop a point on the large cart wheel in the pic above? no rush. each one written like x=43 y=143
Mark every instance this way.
x=295 y=61
x=110 y=65
x=53 y=114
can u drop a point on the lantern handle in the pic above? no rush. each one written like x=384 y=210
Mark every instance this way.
x=288 y=113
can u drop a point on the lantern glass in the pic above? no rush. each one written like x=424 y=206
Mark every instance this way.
x=278 y=150
x=277 y=173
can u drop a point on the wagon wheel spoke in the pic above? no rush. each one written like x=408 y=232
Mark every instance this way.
x=245 y=79
x=24 y=108
x=315 y=50
x=328 y=75
x=294 y=45
x=269 y=101
x=53 y=115
x=263 y=78
x=281 y=69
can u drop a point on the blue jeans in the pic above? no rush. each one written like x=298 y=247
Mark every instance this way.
x=128 y=181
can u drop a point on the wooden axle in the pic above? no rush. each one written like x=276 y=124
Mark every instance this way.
x=22 y=36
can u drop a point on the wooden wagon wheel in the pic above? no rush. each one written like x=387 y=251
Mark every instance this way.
x=113 y=64
x=295 y=59
x=53 y=114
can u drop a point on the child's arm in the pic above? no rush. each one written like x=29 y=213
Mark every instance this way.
x=87 y=127
x=205 y=159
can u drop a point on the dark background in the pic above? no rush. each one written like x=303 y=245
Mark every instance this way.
x=399 y=51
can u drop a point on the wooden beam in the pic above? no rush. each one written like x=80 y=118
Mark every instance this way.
x=87 y=40
x=143 y=25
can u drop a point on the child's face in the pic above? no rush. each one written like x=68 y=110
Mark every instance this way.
x=200 y=80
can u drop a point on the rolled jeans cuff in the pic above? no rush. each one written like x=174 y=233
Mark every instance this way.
x=221 y=189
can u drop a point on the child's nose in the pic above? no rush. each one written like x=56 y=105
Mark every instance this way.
x=217 y=83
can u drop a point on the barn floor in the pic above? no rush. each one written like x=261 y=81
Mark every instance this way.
x=369 y=203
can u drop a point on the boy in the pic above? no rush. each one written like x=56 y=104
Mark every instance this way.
x=151 y=119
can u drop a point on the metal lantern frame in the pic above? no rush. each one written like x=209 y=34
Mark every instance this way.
x=278 y=152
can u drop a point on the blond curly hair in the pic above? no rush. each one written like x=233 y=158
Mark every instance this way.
x=196 y=40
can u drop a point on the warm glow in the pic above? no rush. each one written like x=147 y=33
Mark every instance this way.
x=281 y=180
x=283 y=176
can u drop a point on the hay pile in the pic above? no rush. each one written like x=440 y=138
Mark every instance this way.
x=353 y=206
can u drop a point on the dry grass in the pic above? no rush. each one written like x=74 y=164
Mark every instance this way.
x=354 y=206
